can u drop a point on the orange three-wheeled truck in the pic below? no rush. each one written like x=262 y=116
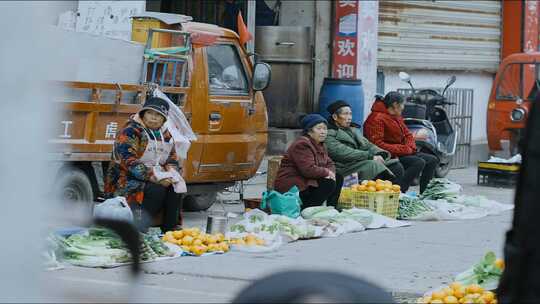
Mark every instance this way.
x=210 y=76
x=515 y=88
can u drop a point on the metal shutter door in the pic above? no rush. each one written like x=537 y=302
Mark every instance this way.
x=439 y=35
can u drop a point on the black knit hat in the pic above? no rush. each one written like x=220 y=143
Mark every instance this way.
x=392 y=97
x=336 y=105
x=311 y=120
x=157 y=104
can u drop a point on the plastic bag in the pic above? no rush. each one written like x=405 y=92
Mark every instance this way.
x=442 y=210
x=287 y=204
x=294 y=229
x=342 y=226
x=482 y=202
x=179 y=184
x=321 y=212
x=258 y=223
x=363 y=216
x=114 y=209
x=270 y=246
x=252 y=222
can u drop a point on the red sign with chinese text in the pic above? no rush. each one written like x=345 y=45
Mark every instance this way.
x=345 y=44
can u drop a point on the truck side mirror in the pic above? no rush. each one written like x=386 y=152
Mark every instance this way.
x=261 y=76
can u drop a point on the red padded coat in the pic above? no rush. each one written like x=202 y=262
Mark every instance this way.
x=388 y=132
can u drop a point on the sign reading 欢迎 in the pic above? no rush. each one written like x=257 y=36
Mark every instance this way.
x=345 y=42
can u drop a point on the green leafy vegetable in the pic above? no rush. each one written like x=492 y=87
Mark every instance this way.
x=485 y=273
x=441 y=188
x=101 y=247
x=411 y=207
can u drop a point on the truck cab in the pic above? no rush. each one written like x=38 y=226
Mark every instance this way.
x=215 y=84
x=515 y=87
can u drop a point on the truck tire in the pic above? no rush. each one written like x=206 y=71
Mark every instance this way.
x=75 y=186
x=199 y=202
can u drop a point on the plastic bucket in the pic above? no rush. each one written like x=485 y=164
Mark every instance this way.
x=348 y=90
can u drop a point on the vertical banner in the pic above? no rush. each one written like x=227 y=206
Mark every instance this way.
x=345 y=43
x=368 y=19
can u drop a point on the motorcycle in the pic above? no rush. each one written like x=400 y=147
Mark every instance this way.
x=427 y=119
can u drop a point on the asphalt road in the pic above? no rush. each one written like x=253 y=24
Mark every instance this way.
x=402 y=260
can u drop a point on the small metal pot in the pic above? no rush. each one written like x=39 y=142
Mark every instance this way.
x=216 y=223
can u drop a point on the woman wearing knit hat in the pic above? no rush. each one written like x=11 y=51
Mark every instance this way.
x=306 y=164
x=144 y=167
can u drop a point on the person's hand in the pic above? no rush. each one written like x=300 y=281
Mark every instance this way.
x=410 y=151
x=331 y=175
x=378 y=159
x=153 y=179
x=166 y=182
x=174 y=168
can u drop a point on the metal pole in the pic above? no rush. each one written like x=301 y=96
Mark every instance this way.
x=251 y=24
x=241 y=191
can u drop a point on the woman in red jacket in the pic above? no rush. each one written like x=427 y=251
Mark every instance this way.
x=385 y=128
x=306 y=164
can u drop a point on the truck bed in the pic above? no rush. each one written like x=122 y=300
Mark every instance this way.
x=87 y=127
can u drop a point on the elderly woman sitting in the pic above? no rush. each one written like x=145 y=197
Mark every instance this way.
x=306 y=164
x=144 y=159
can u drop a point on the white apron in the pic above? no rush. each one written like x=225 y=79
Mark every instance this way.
x=155 y=156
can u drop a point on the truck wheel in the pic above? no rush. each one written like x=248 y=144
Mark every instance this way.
x=442 y=170
x=199 y=202
x=75 y=186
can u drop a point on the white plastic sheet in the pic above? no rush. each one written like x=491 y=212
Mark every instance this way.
x=461 y=208
x=514 y=159
x=490 y=206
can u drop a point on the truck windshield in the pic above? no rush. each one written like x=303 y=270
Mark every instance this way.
x=226 y=73
x=519 y=81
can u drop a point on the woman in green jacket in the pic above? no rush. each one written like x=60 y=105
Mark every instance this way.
x=353 y=153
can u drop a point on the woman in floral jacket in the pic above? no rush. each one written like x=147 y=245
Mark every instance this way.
x=144 y=160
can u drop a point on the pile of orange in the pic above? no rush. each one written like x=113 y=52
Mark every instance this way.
x=378 y=186
x=196 y=242
x=248 y=240
x=456 y=293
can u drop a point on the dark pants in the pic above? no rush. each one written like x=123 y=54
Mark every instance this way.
x=419 y=164
x=332 y=200
x=398 y=171
x=156 y=199
x=326 y=191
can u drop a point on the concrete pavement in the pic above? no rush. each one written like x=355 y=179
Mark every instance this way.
x=403 y=260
